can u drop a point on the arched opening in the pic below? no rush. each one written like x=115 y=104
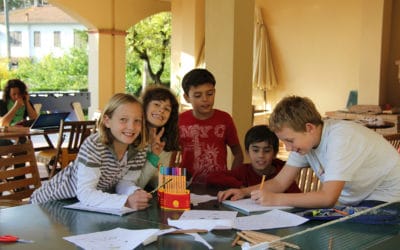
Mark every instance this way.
x=148 y=53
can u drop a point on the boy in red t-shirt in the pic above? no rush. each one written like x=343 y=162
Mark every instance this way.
x=205 y=132
x=262 y=146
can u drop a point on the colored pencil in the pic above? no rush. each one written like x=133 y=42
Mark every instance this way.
x=262 y=182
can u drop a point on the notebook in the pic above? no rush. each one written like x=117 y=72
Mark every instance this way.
x=247 y=206
x=120 y=212
x=48 y=121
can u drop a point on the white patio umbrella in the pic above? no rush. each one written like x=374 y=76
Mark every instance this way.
x=264 y=77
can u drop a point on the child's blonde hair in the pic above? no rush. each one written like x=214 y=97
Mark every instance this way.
x=294 y=112
x=116 y=101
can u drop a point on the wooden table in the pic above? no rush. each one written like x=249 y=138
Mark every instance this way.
x=16 y=132
x=392 y=118
x=382 y=125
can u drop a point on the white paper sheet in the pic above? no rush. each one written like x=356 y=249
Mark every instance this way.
x=210 y=219
x=200 y=239
x=201 y=224
x=118 y=238
x=273 y=219
x=247 y=206
x=196 y=236
x=195 y=199
x=208 y=214
x=120 y=212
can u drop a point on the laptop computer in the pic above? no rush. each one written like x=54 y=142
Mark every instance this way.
x=48 y=121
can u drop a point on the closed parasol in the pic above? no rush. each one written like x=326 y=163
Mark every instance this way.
x=264 y=77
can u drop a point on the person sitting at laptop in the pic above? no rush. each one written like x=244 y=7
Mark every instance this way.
x=15 y=106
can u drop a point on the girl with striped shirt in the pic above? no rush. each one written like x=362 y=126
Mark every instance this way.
x=113 y=164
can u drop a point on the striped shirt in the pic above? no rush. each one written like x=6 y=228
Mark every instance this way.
x=97 y=177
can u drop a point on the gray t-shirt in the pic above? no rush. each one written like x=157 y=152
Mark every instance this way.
x=362 y=158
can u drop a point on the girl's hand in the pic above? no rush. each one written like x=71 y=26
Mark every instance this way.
x=157 y=146
x=139 y=200
x=26 y=98
x=19 y=102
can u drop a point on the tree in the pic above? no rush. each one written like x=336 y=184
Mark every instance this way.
x=149 y=42
x=68 y=72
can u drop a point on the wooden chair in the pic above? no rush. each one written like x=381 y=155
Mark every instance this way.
x=37 y=107
x=78 y=111
x=13 y=190
x=176 y=159
x=59 y=157
x=394 y=139
x=308 y=181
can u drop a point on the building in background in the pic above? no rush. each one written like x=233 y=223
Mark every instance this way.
x=38 y=31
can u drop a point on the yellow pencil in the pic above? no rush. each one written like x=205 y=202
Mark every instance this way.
x=262 y=182
x=160 y=186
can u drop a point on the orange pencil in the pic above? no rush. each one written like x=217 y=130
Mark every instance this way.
x=340 y=212
x=262 y=182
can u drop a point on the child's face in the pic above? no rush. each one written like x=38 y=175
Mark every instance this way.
x=300 y=142
x=261 y=155
x=125 y=123
x=202 y=99
x=15 y=94
x=158 y=112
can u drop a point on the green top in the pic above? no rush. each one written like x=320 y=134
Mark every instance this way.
x=19 y=115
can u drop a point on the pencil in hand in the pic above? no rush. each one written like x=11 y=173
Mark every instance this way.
x=160 y=186
x=262 y=182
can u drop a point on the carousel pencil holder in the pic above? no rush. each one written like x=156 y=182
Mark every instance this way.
x=172 y=192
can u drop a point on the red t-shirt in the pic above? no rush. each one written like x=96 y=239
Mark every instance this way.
x=204 y=143
x=244 y=176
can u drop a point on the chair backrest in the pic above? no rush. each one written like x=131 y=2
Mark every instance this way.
x=12 y=186
x=78 y=131
x=307 y=180
x=394 y=139
x=37 y=107
x=176 y=159
x=78 y=111
x=75 y=132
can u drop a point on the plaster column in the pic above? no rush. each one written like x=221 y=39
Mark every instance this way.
x=187 y=39
x=106 y=74
x=229 y=55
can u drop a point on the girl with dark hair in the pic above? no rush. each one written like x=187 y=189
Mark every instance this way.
x=15 y=106
x=161 y=110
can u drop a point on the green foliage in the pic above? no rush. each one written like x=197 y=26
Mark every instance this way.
x=149 y=52
x=68 y=72
x=133 y=76
x=4 y=72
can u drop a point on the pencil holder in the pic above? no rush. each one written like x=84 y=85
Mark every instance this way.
x=174 y=201
x=172 y=193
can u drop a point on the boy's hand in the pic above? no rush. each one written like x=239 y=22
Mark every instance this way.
x=139 y=200
x=263 y=197
x=157 y=146
x=233 y=193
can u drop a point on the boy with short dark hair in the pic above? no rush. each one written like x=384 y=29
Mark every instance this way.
x=205 y=132
x=356 y=165
x=262 y=146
